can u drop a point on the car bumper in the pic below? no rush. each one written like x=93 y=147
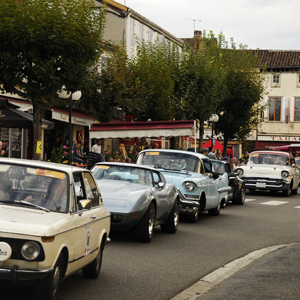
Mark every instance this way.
x=14 y=274
x=187 y=206
x=266 y=184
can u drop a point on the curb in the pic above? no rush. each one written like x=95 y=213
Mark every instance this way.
x=206 y=283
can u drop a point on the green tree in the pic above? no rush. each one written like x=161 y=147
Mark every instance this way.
x=240 y=107
x=47 y=46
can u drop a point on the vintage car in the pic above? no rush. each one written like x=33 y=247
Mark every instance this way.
x=237 y=193
x=138 y=198
x=270 y=170
x=47 y=230
x=200 y=188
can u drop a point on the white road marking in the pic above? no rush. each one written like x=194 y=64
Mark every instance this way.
x=249 y=200
x=274 y=202
x=297 y=206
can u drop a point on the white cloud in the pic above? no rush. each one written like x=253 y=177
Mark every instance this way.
x=263 y=24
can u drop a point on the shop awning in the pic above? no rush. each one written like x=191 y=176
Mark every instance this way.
x=12 y=118
x=142 y=129
x=217 y=145
x=78 y=118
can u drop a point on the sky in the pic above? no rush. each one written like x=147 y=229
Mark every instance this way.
x=258 y=24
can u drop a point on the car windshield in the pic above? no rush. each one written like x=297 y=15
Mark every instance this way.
x=218 y=167
x=124 y=173
x=297 y=161
x=169 y=160
x=33 y=187
x=269 y=159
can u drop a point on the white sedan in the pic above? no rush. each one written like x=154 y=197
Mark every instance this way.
x=52 y=223
x=270 y=170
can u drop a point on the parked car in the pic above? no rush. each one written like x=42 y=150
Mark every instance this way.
x=270 y=170
x=138 y=197
x=237 y=193
x=52 y=223
x=200 y=188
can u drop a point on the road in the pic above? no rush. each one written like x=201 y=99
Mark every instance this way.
x=173 y=262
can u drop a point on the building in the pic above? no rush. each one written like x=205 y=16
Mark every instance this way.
x=281 y=124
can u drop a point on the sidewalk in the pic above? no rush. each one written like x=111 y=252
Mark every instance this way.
x=271 y=273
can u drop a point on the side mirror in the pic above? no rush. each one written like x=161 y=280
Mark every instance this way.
x=214 y=175
x=85 y=204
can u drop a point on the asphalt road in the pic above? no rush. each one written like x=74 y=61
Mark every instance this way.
x=173 y=262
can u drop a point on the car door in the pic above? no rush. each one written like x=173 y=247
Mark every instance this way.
x=161 y=195
x=87 y=220
x=212 y=197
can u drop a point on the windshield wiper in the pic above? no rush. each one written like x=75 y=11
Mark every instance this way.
x=25 y=203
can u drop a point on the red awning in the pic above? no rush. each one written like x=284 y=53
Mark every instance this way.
x=142 y=129
x=217 y=146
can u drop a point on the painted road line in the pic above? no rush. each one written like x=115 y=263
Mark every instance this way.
x=274 y=202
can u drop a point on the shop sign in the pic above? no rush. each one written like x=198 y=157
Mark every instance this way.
x=279 y=138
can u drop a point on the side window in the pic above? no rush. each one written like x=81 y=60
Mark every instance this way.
x=227 y=168
x=156 y=178
x=207 y=166
x=79 y=187
x=91 y=189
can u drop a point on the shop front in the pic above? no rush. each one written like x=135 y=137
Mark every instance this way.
x=267 y=142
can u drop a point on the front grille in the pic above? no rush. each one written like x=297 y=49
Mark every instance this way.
x=16 y=246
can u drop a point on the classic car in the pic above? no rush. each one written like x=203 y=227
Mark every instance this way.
x=237 y=193
x=138 y=198
x=200 y=188
x=52 y=223
x=270 y=170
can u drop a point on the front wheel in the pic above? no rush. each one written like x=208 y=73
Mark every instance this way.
x=47 y=288
x=171 y=225
x=93 y=269
x=144 y=229
x=241 y=197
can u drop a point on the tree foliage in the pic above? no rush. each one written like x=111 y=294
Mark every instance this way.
x=45 y=45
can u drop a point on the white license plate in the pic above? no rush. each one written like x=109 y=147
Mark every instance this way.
x=260 y=184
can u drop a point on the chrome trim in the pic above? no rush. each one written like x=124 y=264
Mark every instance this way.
x=82 y=256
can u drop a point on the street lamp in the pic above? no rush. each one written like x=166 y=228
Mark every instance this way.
x=213 y=119
x=71 y=97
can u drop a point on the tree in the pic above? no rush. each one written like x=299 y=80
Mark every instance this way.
x=47 y=46
x=239 y=109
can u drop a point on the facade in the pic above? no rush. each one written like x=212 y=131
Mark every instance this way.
x=281 y=124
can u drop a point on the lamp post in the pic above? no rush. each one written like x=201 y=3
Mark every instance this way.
x=71 y=97
x=213 y=119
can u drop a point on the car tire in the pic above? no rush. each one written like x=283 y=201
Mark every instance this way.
x=171 y=224
x=295 y=191
x=144 y=229
x=240 y=200
x=93 y=269
x=287 y=192
x=47 y=288
x=215 y=211
x=194 y=217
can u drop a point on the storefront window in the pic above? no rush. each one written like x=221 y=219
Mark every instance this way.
x=11 y=139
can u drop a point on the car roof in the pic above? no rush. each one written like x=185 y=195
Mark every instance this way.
x=40 y=164
x=132 y=165
x=269 y=152
x=199 y=155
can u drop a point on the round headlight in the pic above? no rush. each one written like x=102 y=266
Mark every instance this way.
x=189 y=186
x=240 y=171
x=285 y=174
x=30 y=250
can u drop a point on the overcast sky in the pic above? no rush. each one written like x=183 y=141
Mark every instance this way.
x=263 y=24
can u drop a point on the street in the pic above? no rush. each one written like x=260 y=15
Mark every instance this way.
x=173 y=262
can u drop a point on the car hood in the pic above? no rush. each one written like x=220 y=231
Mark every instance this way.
x=177 y=177
x=29 y=221
x=264 y=170
x=122 y=195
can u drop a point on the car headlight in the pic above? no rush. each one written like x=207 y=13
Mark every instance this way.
x=240 y=171
x=30 y=250
x=285 y=174
x=189 y=186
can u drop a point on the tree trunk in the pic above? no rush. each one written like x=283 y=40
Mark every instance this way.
x=37 y=131
x=201 y=133
x=225 y=145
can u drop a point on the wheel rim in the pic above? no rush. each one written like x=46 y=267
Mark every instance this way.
x=98 y=259
x=151 y=222
x=56 y=279
x=243 y=196
x=176 y=215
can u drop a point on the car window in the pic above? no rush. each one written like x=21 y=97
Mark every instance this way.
x=218 y=167
x=156 y=178
x=269 y=159
x=91 y=188
x=169 y=160
x=207 y=166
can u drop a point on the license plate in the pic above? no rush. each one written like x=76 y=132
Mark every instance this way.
x=260 y=184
